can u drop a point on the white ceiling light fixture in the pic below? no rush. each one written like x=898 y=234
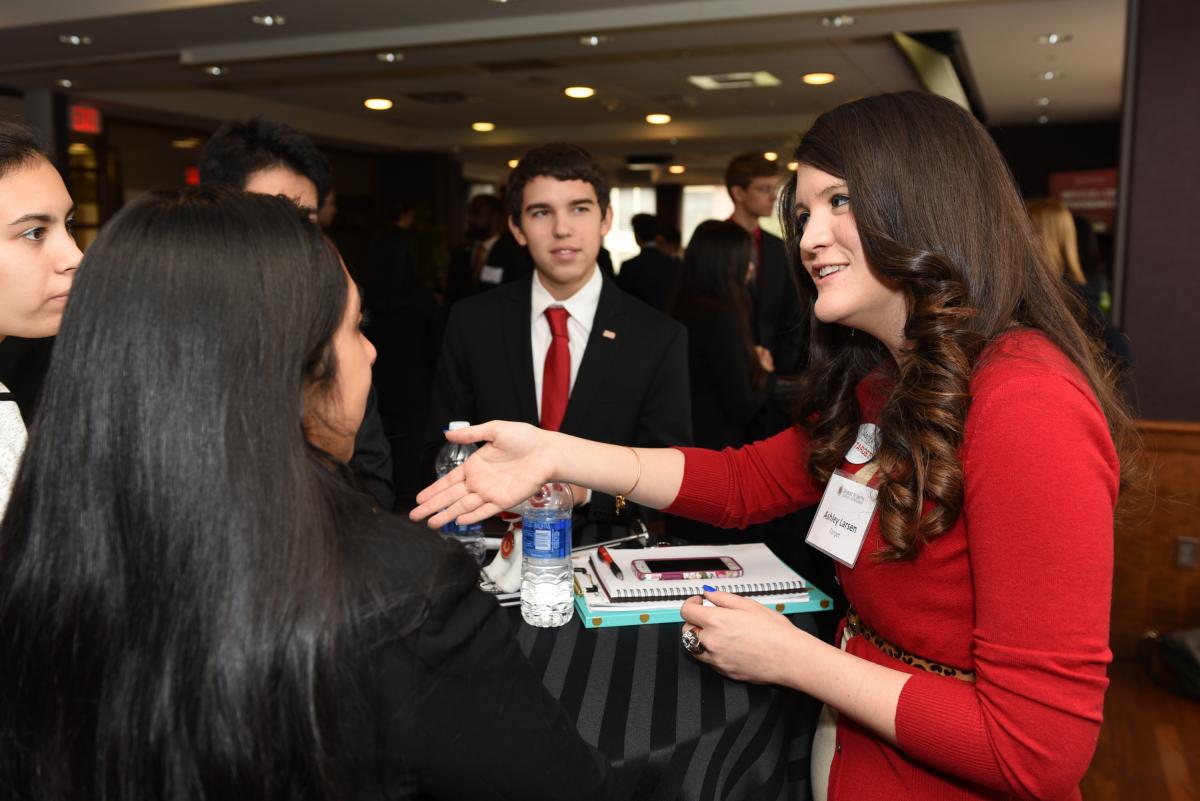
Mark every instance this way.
x=579 y=92
x=840 y=21
x=1054 y=38
x=677 y=169
x=1042 y=101
x=269 y=20
x=658 y=119
x=377 y=103
x=512 y=163
x=793 y=165
x=594 y=40
x=734 y=80
x=64 y=83
x=1049 y=75
x=1042 y=120
x=819 y=78
x=190 y=143
x=483 y=127
x=215 y=71
x=389 y=57
x=74 y=39
x=771 y=155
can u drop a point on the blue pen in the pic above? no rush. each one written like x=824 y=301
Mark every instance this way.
x=709 y=589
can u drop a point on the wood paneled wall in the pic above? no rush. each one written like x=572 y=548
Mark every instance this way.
x=1149 y=591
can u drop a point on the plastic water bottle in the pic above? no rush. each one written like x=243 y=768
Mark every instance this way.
x=449 y=457
x=546 y=565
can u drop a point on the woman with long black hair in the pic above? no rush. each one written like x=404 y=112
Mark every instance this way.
x=961 y=432
x=38 y=257
x=196 y=603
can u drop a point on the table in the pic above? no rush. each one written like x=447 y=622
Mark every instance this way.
x=671 y=727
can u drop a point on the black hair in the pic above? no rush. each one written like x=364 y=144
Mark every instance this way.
x=714 y=274
x=19 y=146
x=172 y=590
x=558 y=160
x=239 y=149
x=645 y=228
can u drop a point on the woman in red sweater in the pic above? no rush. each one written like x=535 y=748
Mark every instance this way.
x=957 y=427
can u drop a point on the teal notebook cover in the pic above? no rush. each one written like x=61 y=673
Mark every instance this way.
x=637 y=614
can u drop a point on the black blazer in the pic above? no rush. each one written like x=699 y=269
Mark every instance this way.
x=780 y=322
x=652 y=277
x=510 y=256
x=447 y=705
x=631 y=389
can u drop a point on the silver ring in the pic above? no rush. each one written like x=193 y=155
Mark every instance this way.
x=691 y=643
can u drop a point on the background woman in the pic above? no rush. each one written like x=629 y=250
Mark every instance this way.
x=974 y=658
x=195 y=602
x=38 y=257
x=1056 y=228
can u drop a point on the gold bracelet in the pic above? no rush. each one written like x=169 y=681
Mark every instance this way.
x=621 y=497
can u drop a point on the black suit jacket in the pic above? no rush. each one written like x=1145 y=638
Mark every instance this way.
x=652 y=277
x=780 y=322
x=509 y=255
x=631 y=389
x=443 y=686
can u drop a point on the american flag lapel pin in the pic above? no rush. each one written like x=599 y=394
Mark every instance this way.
x=608 y=334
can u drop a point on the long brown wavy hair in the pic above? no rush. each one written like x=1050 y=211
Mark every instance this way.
x=940 y=218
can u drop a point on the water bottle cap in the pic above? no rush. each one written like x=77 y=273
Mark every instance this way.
x=457 y=424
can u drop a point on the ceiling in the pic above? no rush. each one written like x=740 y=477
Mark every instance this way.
x=463 y=61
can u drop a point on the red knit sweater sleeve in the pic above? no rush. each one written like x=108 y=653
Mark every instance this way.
x=733 y=488
x=1041 y=483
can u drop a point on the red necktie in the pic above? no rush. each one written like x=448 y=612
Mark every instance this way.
x=556 y=372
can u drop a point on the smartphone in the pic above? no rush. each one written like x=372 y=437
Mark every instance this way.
x=681 y=568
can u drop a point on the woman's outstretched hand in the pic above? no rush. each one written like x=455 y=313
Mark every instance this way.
x=510 y=467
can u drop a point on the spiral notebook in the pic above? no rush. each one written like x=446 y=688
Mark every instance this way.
x=763 y=574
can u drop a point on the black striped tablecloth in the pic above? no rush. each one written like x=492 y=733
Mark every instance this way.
x=671 y=727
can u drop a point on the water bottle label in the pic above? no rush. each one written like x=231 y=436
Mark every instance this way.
x=546 y=539
x=468 y=530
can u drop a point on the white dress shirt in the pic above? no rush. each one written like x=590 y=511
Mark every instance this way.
x=12 y=445
x=582 y=308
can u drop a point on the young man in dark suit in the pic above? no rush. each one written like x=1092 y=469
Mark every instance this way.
x=271 y=158
x=651 y=276
x=565 y=348
x=780 y=323
x=489 y=256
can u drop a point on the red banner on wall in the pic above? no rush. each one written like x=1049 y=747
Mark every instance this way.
x=1088 y=193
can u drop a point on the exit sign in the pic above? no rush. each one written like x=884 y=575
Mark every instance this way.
x=85 y=119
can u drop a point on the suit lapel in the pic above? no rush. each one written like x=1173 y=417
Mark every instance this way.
x=600 y=360
x=515 y=330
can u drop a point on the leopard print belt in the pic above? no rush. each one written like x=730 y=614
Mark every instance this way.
x=856 y=626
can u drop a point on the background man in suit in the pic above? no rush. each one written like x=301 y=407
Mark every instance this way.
x=651 y=276
x=271 y=158
x=780 y=324
x=565 y=348
x=489 y=256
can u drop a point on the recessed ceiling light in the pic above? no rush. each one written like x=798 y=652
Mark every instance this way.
x=734 y=80
x=269 y=20
x=389 y=57
x=1042 y=101
x=377 y=103
x=1042 y=120
x=1054 y=38
x=579 y=92
x=840 y=21
x=512 y=163
x=214 y=70
x=190 y=143
x=64 y=83
x=819 y=78
x=499 y=1
x=75 y=39
x=770 y=155
x=483 y=127
x=1049 y=75
x=592 y=41
x=677 y=169
x=658 y=119
x=793 y=165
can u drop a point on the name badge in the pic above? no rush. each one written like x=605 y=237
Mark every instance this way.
x=491 y=275
x=842 y=520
